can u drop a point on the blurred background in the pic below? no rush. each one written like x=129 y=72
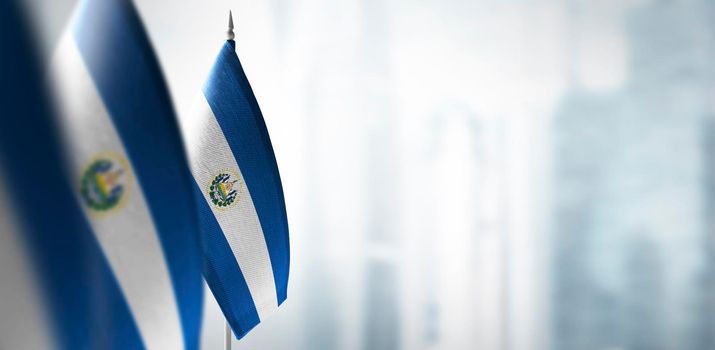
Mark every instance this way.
x=482 y=174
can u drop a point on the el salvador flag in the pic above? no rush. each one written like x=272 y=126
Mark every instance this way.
x=130 y=176
x=57 y=290
x=242 y=214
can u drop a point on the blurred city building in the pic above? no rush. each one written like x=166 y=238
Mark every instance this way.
x=632 y=238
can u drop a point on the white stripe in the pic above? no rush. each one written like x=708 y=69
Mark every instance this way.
x=209 y=154
x=127 y=234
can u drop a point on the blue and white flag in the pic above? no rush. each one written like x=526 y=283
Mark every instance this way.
x=242 y=214
x=130 y=176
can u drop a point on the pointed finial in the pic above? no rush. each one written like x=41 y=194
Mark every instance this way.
x=230 y=33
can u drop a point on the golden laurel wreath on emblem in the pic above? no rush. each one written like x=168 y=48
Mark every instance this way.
x=224 y=188
x=105 y=182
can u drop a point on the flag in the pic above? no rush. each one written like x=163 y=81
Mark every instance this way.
x=240 y=198
x=56 y=289
x=129 y=174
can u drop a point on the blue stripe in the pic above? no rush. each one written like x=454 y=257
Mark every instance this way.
x=85 y=305
x=120 y=60
x=234 y=105
x=223 y=274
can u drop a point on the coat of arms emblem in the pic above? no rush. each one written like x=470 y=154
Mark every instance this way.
x=105 y=182
x=223 y=189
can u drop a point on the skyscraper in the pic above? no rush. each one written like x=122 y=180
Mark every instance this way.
x=629 y=199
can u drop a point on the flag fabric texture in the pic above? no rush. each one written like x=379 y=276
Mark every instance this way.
x=242 y=215
x=129 y=175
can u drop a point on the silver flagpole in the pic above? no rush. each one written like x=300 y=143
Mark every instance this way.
x=227 y=329
x=230 y=34
x=227 y=337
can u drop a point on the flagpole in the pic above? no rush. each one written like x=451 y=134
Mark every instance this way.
x=227 y=337
x=227 y=328
x=230 y=34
